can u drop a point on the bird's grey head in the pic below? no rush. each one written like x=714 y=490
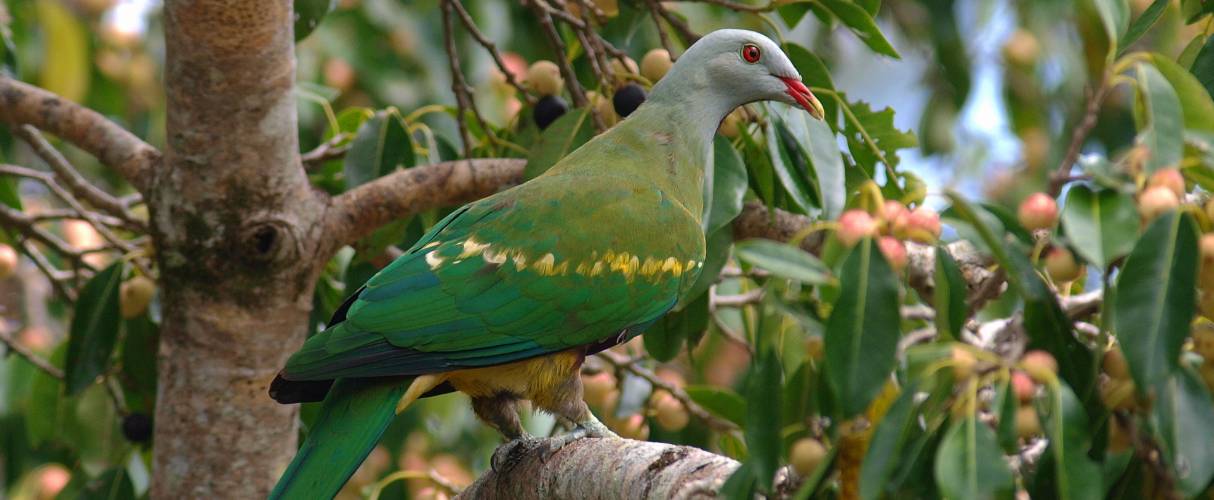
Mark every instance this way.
x=738 y=67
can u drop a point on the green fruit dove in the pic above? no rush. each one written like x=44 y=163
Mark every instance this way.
x=505 y=297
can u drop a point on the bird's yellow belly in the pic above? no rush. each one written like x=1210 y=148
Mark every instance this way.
x=532 y=379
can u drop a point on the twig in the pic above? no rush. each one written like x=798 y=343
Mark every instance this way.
x=545 y=13
x=53 y=214
x=689 y=37
x=34 y=359
x=740 y=7
x=742 y=299
x=662 y=34
x=713 y=421
x=991 y=288
x=1091 y=111
x=16 y=220
x=488 y=44
x=334 y=148
x=729 y=334
x=74 y=181
x=53 y=275
x=132 y=158
x=457 y=79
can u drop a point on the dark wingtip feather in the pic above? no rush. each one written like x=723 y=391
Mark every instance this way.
x=291 y=391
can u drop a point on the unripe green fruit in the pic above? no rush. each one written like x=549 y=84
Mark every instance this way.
x=1028 y=424
x=1061 y=266
x=805 y=455
x=963 y=363
x=135 y=295
x=544 y=78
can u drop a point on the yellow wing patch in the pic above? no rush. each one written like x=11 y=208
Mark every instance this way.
x=627 y=264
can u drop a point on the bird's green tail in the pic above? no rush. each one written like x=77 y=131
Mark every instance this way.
x=352 y=418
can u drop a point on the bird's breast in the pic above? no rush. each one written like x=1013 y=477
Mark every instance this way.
x=527 y=379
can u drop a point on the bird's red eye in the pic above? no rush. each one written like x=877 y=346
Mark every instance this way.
x=751 y=53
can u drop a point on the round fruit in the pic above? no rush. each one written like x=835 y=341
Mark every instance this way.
x=1169 y=178
x=8 y=261
x=1023 y=386
x=855 y=225
x=670 y=413
x=137 y=427
x=1118 y=394
x=135 y=295
x=1038 y=211
x=628 y=67
x=733 y=123
x=655 y=64
x=923 y=225
x=544 y=77
x=1119 y=440
x=1027 y=423
x=627 y=99
x=602 y=106
x=1156 y=201
x=805 y=455
x=52 y=479
x=338 y=74
x=1040 y=365
x=1022 y=48
x=894 y=211
x=548 y=109
x=633 y=427
x=814 y=347
x=894 y=251
x=1061 y=266
x=597 y=388
x=1115 y=365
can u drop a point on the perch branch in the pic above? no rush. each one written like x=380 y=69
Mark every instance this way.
x=114 y=146
x=601 y=468
x=79 y=186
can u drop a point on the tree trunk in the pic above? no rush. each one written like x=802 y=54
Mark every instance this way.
x=236 y=226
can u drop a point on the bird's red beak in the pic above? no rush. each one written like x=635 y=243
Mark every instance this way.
x=803 y=96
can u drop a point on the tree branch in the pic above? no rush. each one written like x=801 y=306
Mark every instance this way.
x=13 y=345
x=601 y=468
x=358 y=212
x=113 y=145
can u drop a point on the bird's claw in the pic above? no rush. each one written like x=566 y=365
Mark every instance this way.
x=588 y=429
x=509 y=451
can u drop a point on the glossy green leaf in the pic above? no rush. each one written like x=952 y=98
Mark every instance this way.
x=308 y=14
x=721 y=402
x=1183 y=415
x=870 y=6
x=1189 y=54
x=1192 y=10
x=1156 y=294
x=1140 y=25
x=1115 y=17
x=1163 y=131
x=969 y=464
x=46 y=400
x=949 y=295
x=827 y=165
x=140 y=345
x=815 y=74
x=893 y=433
x=879 y=126
x=1076 y=476
x=764 y=442
x=94 y=329
x=863 y=330
x=1203 y=65
x=561 y=137
x=785 y=261
x=728 y=185
x=741 y=484
x=862 y=24
x=1006 y=402
x=382 y=143
x=1195 y=101
x=666 y=337
x=1101 y=225
x=793 y=12
x=791 y=166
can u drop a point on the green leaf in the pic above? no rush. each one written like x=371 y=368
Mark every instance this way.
x=1183 y=415
x=892 y=434
x=949 y=295
x=1156 y=293
x=879 y=125
x=815 y=74
x=862 y=24
x=308 y=14
x=791 y=167
x=1195 y=100
x=381 y=144
x=561 y=137
x=870 y=6
x=1192 y=10
x=969 y=464
x=94 y=329
x=819 y=141
x=1189 y=54
x=1142 y=24
x=728 y=185
x=1100 y=224
x=785 y=261
x=140 y=345
x=1007 y=402
x=721 y=402
x=717 y=254
x=763 y=385
x=666 y=337
x=863 y=330
x=1163 y=134
x=1115 y=16
x=113 y=484
x=1076 y=476
x=1203 y=65
x=793 y=12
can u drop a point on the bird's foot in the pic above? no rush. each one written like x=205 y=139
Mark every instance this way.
x=591 y=428
x=510 y=451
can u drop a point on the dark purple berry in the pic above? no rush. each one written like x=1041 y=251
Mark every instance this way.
x=548 y=109
x=627 y=99
x=137 y=427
